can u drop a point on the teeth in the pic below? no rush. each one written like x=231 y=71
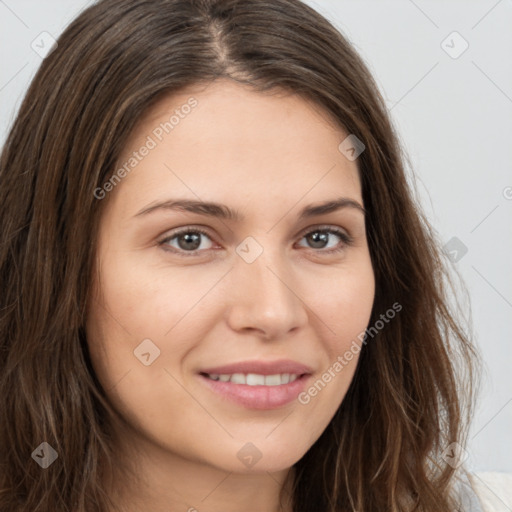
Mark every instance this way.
x=272 y=380
x=254 y=379
x=238 y=378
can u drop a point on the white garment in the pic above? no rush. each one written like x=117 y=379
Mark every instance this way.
x=493 y=489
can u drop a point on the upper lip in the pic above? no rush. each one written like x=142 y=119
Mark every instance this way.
x=260 y=367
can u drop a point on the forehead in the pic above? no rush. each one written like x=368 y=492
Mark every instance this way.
x=236 y=145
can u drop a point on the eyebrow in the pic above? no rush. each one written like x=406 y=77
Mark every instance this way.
x=222 y=211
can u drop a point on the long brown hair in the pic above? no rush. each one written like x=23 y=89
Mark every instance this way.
x=414 y=387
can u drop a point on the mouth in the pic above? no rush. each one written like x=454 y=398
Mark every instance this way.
x=258 y=385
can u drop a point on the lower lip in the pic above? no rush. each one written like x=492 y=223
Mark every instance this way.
x=258 y=397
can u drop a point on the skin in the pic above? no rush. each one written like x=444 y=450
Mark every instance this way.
x=267 y=156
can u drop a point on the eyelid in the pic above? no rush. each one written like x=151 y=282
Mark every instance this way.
x=323 y=227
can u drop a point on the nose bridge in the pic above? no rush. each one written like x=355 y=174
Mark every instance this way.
x=264 y=292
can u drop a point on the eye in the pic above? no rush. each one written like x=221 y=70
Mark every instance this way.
x=319 y=238
x=188 y=241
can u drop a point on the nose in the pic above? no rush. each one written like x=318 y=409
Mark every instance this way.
x=265 y=297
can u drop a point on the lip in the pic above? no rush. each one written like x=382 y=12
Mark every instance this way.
x=260 y=367
x=259 y=397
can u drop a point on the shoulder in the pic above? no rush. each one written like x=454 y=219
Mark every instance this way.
x=494 y=490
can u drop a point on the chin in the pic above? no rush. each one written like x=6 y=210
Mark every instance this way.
x=262 y=457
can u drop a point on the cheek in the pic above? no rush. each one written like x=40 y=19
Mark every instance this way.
x=344 y=314
x=325 y=392
x=148 y=297
x=345 y=306
x=151 y=398
x=143 y=309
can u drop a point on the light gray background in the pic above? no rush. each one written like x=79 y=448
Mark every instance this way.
x=454 y=116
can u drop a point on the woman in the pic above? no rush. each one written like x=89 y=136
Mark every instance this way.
x=218 y=292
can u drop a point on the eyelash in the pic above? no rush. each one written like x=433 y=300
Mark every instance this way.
x=347 y=240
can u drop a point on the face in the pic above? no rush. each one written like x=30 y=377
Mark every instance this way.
x=276 y=292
